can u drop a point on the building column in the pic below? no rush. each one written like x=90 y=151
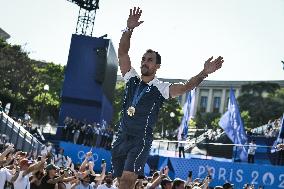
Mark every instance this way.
x=237 y=93
x=183 y=99
x=223 y=101
x=196 y=101
x=209 y=103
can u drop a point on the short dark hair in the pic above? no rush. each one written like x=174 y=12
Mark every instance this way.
x=177 y=182
x=158 y=56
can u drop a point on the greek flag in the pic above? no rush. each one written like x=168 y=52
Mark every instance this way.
x=188 y=110
x=231 y=123
x=280 y=137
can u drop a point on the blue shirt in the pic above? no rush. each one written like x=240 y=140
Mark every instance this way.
x=147 y=109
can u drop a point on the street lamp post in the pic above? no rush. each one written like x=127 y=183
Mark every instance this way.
x=45 y=89
x=172 y=115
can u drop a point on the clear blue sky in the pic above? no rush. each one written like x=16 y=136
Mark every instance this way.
x=249 y=34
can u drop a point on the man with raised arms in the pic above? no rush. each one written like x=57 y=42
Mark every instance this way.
x=144 y=96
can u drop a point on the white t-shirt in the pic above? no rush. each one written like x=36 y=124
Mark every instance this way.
x=81 y=186
x=22 y=182
x=150 y=184
x=60 y=160
x=68 y=185
x=5 y=175
x=103 y=186
x=252 y=148
x=180 y=144
x=27 y=117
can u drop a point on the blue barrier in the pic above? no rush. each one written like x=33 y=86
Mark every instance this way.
x=269 y=176
x=77 y=154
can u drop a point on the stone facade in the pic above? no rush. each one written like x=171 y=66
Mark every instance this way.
x=213 y=96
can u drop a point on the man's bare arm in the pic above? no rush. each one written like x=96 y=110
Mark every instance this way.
x=100 y=177
x=16 y=175
x=35 y=167
x=124 y=44
x=56 y=180
x=9 y=149
x=209 y=67
x=68 y=179
x=85 y=162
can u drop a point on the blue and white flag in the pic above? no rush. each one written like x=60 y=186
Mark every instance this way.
x=188 y=110
x=280 y=137
x=231 y=123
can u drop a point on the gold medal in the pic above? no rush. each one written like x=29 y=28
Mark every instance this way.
x=131 y=111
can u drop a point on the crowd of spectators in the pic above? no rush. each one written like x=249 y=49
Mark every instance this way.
x=271 y=129
x=21 y=170
x=53 y=170
x=25 y=122
x=82 y=132
x=215 y=134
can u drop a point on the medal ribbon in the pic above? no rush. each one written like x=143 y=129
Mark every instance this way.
x=137 y=96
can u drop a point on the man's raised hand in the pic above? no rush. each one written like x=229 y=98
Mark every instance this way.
x=133 y=19
x=211 y=65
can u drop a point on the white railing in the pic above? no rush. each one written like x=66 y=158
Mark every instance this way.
x=14 y=133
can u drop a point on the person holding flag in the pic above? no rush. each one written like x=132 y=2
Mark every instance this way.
x=144 y=96
x=278 y=145
x=188 y=110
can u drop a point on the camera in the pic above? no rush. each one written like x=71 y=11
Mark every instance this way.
x=190 y=174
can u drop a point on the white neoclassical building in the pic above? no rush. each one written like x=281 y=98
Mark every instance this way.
x=213 y=96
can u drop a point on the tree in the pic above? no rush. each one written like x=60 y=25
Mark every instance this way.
x=246 y=119
x=165 y=121
x=206 y=119
x=117 y=102
x=215 y=123
x=52 y=75
x=16 y=74
x=263 y=101
x=22 y=81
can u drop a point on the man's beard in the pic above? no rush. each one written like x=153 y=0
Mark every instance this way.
x=145 y=71
x=108 y=181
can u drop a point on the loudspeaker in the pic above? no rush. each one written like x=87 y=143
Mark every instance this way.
x=101 y=64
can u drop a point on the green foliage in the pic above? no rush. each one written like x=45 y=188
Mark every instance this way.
x=117 y=102
x=262 y=101
x=192 y=123
x=216 y=119
x=246 y=119
x=206 y=119
x=215 y=123
x=22 y=81
x=165 y=121
x=258 y=89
